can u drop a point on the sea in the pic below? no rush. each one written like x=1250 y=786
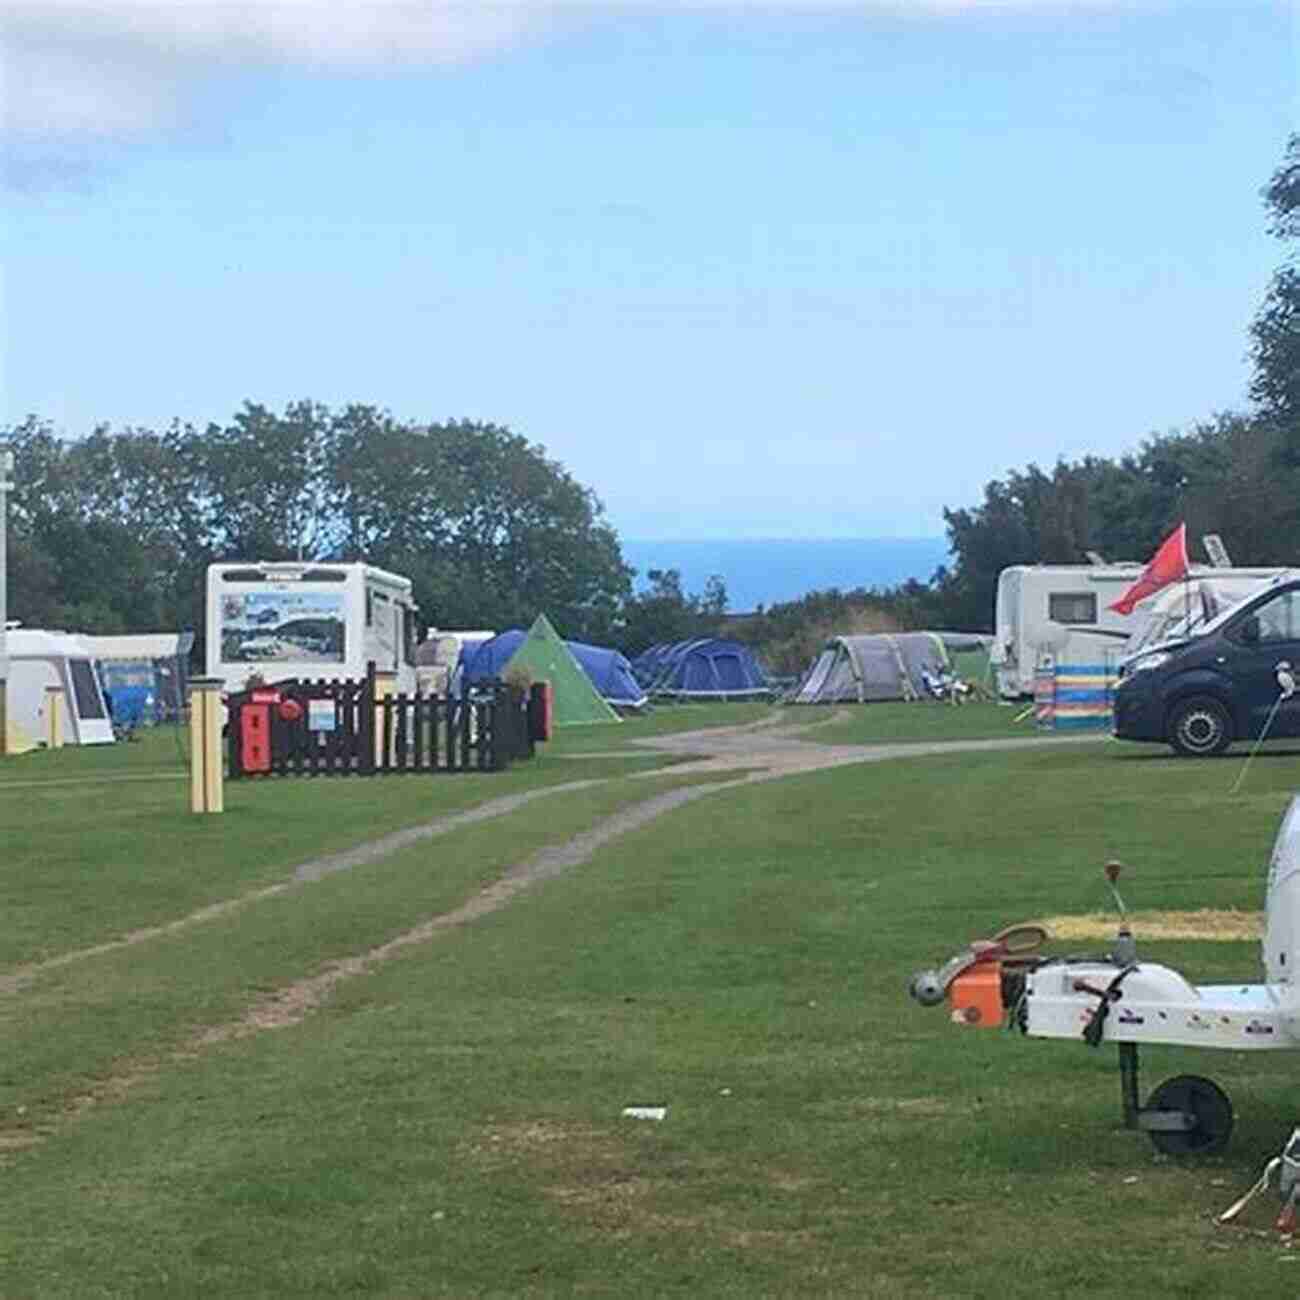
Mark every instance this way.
x=769 y=572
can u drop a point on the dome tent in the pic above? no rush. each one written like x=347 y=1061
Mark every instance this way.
x=705 y=668
x=881 y=666
x=610 y=674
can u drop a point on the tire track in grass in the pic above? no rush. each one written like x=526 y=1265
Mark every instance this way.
x=292 y=1004
x=305 y=873
x=723 y=749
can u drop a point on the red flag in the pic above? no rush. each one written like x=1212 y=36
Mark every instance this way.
x=1167 y=565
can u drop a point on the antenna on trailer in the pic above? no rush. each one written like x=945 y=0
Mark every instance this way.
x=1125 y=953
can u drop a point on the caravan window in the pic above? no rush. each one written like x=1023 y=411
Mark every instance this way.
x=1072 y=606
x=84 y=687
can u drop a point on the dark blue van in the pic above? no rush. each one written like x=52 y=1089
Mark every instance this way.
x=1229 y=682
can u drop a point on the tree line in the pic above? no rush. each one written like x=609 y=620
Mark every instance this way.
x=112 y=532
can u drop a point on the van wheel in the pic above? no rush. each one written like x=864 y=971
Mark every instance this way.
x=1200 y=727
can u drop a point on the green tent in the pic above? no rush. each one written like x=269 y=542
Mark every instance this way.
x=545 y=658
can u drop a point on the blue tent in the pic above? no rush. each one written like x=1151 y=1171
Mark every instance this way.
x=609 y=671
x=707 y=668
x=610 y=674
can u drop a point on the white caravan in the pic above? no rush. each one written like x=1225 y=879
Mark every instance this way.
x=40 y=659
x=282 y=620
x=1045 y=608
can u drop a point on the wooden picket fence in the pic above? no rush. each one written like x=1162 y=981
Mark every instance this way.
x=346 y=728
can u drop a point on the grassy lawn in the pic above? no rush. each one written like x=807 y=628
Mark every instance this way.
x=659 y=720
x=880 y=723
x=450 y=1124
x=91 y=853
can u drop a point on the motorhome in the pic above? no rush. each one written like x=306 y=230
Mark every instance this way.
x=1064 y=609
x=282 y=620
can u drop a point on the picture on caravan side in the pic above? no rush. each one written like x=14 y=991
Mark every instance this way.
x=283 y=620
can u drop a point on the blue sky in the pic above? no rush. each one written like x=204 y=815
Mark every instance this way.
x=763 y=269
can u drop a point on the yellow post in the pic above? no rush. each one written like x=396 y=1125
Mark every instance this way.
x=385 y=687
x=54 y=717
x=207 y=762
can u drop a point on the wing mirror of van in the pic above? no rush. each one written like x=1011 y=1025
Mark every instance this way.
x=1249 y=631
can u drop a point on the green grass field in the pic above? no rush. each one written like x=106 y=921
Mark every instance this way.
x=448 y=1122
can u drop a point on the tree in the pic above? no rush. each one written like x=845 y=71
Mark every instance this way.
x=490 y=529
x=94 y=546
x=1275 y=332
x=665 y=613
x=264 y=485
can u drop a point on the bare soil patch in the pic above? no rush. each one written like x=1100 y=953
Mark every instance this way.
x=1206 y=923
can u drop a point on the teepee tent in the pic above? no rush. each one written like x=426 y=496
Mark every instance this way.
x=883 y=666
x=541 y=654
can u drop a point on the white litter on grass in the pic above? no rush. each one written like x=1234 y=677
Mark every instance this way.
x=645 y=1112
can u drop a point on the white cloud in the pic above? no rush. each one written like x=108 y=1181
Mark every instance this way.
x=113 y=67
x=119 y=66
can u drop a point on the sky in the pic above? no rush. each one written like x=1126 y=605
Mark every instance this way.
x=773 y=268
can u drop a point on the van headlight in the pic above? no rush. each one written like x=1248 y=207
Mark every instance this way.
x=1145 y=663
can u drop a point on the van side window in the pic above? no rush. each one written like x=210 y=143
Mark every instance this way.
x=1279 y=619
x=1072 y=606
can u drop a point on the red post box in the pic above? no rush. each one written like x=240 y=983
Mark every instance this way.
x=255 y=737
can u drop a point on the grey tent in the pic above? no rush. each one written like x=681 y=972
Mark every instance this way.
x=883 y=666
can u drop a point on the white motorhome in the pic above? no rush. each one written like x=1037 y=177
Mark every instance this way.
x=280 y=620
x=1047 y=608
x=39 y=660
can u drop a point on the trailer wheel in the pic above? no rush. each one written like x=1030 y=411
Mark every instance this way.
x=1200 y=727
x=1209 y=1106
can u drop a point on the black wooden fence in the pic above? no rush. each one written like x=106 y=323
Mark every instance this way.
x=344 y=728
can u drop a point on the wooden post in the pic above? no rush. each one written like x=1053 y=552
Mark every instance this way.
x=385 y=684
x=207 y=767
x=54 y=717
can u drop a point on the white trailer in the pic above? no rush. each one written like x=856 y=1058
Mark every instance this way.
x=281 y=620
x=1045 y=608
x=40 y=660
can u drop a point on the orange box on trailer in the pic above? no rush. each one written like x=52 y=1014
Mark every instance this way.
x=976 y=996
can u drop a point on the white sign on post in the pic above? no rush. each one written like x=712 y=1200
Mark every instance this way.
x=320 y=715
